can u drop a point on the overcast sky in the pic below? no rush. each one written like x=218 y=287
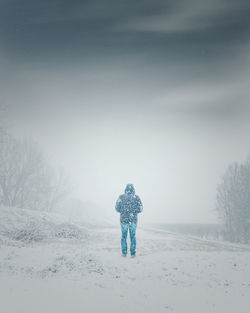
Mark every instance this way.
x=154 y=93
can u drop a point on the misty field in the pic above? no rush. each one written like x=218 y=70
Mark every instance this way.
x=49 y=264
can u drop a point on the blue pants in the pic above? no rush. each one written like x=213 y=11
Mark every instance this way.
x=132 y=229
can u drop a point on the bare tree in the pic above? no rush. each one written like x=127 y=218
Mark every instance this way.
x=26 y=179
x=233 y=202
x=21 y=161
x=3 y=110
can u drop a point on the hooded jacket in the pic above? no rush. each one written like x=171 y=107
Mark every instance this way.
x=129 y=205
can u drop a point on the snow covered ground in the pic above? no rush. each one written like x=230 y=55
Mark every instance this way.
x=49 y=264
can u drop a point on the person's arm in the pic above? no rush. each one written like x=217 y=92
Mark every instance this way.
x=118 y=205
x=139 y=205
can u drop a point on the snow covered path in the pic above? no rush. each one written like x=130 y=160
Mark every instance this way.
x=172 y=273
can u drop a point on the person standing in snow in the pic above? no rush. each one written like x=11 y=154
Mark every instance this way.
x=128 y=205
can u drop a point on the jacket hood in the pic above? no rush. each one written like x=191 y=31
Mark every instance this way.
x=130 y=189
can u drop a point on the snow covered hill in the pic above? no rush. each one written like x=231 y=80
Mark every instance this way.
x=50 y=264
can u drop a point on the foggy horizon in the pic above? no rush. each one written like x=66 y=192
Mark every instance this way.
x=153 y=93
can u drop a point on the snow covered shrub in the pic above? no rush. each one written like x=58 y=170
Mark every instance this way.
x=66 y=230
x=31 y=232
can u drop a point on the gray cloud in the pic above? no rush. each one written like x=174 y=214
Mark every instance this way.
x=189 y=16
x=84 y=30
x=211 y=103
